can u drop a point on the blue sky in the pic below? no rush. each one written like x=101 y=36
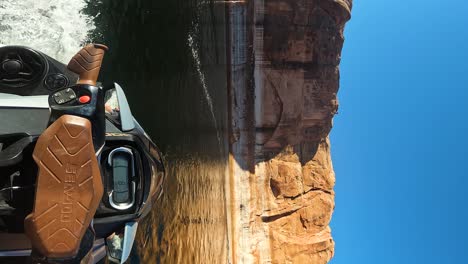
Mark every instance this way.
x=400 y=140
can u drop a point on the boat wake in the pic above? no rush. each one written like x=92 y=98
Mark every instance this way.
x=57 y=28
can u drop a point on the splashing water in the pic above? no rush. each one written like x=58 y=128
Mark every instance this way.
x=196 y=58
x=56 y=28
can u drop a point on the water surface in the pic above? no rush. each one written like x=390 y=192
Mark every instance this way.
x=170 y=59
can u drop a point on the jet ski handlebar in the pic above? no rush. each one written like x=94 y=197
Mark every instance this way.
x=69 y=185
x=87 y=63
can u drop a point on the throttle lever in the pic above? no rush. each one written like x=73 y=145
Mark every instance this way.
x=87 y=63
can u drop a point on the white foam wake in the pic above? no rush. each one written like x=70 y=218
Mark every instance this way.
x=58 y=28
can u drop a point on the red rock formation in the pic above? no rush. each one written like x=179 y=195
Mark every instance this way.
x=284 y=79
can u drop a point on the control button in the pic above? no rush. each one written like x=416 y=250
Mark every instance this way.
x=12 y=66
x=64 y=96
x=56 y=81
x=84 y=99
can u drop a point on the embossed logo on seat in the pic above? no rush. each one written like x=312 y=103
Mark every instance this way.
x=66 y=212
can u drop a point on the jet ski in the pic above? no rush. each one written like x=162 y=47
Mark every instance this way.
x=77 y=171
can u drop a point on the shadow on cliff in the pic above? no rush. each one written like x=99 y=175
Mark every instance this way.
x=170 y=57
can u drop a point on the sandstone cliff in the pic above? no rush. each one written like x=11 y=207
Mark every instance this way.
x=284 y=79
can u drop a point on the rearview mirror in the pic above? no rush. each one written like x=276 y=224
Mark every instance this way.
x=118 y=109
x=119 y=245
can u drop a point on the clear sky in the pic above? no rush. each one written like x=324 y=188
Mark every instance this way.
x=400 y=140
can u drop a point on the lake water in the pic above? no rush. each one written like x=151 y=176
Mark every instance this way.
x=170 y=57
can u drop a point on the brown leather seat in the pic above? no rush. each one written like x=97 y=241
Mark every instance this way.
x=69 y=187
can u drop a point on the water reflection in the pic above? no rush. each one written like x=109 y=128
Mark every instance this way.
x=170 y=58
x=189 y=224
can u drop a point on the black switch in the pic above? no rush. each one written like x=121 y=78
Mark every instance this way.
x=64 y=96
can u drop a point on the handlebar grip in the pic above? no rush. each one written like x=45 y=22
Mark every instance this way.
x=87 y=63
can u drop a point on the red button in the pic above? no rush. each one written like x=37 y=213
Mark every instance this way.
x=84 y=99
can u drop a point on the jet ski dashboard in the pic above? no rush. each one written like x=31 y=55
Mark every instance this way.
x=25 y=71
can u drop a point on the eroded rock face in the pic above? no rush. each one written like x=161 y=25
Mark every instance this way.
x=298 y=224
x=284 y=81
